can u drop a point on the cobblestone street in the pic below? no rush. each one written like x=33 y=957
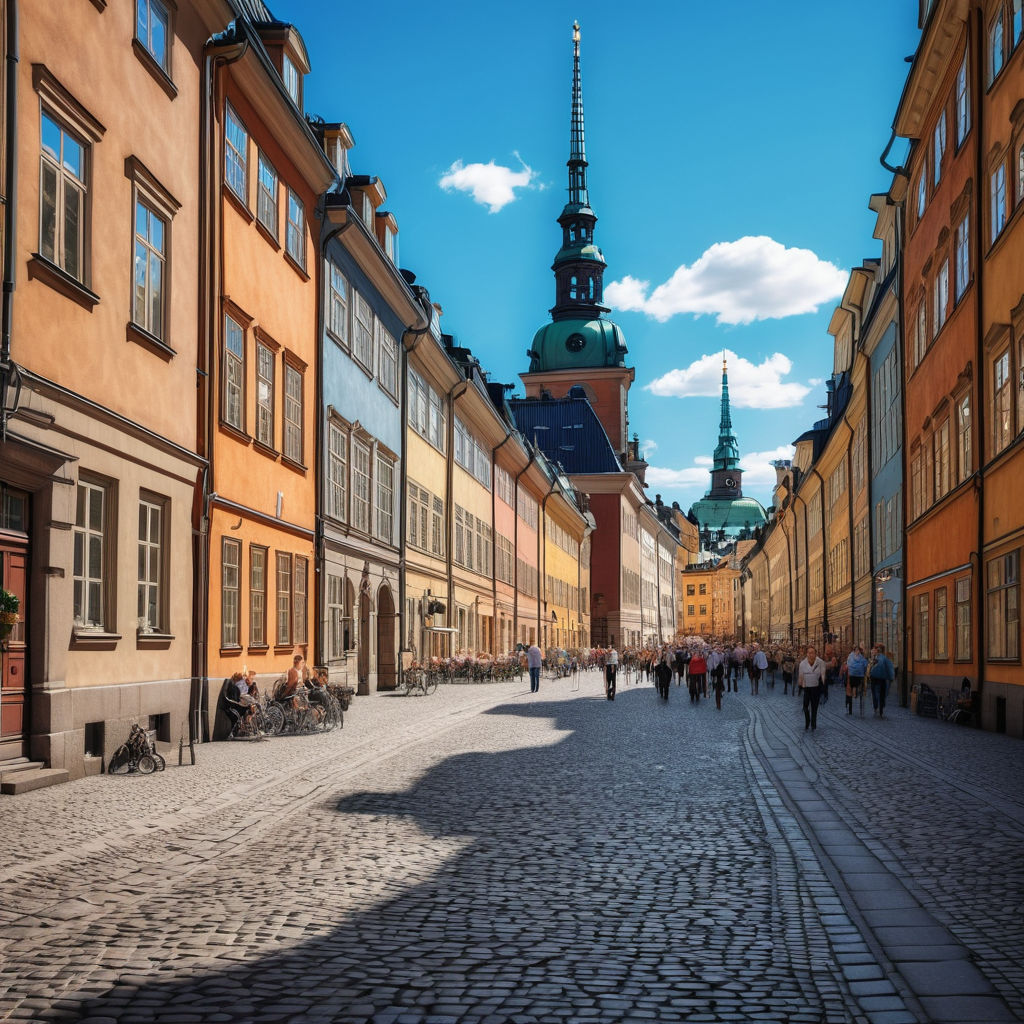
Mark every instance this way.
x=490 y=855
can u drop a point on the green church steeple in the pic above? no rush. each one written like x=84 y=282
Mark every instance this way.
x=579 y=336
x=727 y=452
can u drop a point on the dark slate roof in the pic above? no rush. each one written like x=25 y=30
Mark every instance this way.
x=255 y=11
x=567 y=431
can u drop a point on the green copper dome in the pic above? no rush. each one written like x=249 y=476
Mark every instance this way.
x=717 y=514
x=577 y=344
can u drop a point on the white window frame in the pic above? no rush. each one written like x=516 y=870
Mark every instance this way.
x=1002 y=402
x=387 y=354
x=265 y=393
x=294 y=404
x=295 y=241
x=67 y=182
x=258 y=561
x=230 y=592
x=385 y=492
x=236 y=155
x=997 y=193
x=150 y=607
x=362 y=483
x=233 y=373
x=963 y=437
x=941 y=297
x=283 y=578
x=362 y=331
x=963 y=256
x=155 y=10
x=337 y=303
x=150 y=256
x=292 y=79
x=963 y=103
x=91 y=557
x=996 y=46
x=337 y=472
x=939 y=146
x=267 y=183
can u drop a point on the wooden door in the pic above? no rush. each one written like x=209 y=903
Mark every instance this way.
x=14 y=656
x=386 y=675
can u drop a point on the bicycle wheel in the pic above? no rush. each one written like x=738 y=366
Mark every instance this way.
x=159 y=760
x=429 y=685
x=273 y=719
x=146 y=764
x=402 y=688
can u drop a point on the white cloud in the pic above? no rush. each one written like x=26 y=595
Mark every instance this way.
x=753 y=278
x=647 y=447
x=758 y=472
x=751 y=386
x=490 y=184
x=815 y=382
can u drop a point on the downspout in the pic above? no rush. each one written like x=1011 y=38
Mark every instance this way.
x=980 y=370
x=789 y=562
x=824 y=560
x=411 y=338
x=542 y=555
x=449 y=505
x=8 y=370
x=494 y=543
x=319 y=542
x=515 y=546
x=209 y=272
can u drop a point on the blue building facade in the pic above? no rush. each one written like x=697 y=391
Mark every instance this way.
x=366 y=308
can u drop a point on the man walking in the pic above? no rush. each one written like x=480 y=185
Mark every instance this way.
x=811 y=680
x=758 y=664
x=882 y=673
x=856 y=669
x=534 y=660
x=611 y=668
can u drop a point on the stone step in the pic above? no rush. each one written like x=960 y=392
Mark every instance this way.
x=11 y=770
x=11 y=762
x=25 y=782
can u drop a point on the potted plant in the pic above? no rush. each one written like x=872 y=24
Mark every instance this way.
x=9 y=616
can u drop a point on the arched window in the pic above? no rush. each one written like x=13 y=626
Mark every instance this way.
x=572 y=287
x=572 y=232
x=590 y=284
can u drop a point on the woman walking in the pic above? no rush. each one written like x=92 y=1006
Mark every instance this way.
x=811 y=679
x=698 y=674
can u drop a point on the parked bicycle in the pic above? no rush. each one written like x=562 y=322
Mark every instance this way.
x=136 y=755
x=416 y=681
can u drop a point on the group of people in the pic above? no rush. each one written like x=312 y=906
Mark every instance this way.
x=299 y=683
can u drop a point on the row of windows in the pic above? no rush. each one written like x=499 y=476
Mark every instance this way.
x=529 y=578
x=562 y=538
x=562 y=592
x=887 y=423
x=236 y=176
x=472 y=542
x=630 y=587
x=888 y=526
x=426 y=521
x=352 y=322
x=95 y=539
x=1007 y=393
x=932 y=624
x=360 y=483
x=942 y=458
x=471 y=455
x=837 y=482
x=427 y=414
x=270 y=399
x=526 y=509
x=291 y=589
x=504 y=486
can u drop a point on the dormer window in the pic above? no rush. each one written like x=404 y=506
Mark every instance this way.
x=391 y=244
x=367 y=211
x=292 y=80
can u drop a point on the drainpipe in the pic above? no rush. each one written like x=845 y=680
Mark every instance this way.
x=494 y=543
x=220 y=52
x=411 y=338
x=319 y=543
x=542 y=553
x=8 y=371
x=515 y=569
x=824 y=560
x=980 y=369
x=449 y=505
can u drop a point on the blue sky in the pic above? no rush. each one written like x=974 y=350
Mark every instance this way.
x=732 y=150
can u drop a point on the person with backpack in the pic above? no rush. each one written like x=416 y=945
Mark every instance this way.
x=882 y=672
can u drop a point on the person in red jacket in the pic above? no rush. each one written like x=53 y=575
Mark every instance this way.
x=698 y=674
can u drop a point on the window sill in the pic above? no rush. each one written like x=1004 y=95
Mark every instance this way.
x=265 y=449
x=362 y=366
x=284 y=648
x=96 y=639
x=268 y=234
x=230 y=651
x=391 y=396
x=292 y=464
x=232 y=431
x=140 y=336
x=41 y=269
x=152 y=65
x=154 y=641
x=296 y=266
x=257 y=648
x=237 y=202
x=340 y=342
x=100 y=5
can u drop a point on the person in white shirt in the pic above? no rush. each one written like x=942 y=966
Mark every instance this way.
x=611 y=668
x=534 y=661
x=811 y=679
x=758 y=665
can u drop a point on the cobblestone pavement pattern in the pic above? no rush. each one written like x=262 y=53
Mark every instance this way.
x=485 y=855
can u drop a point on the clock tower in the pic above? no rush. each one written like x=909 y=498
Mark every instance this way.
x=580 y=347
x=726 y=475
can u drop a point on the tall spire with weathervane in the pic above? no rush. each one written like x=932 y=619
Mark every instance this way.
x=577 y=144
x=727 y=453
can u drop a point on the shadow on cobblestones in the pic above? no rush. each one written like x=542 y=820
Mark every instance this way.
x=588 y=861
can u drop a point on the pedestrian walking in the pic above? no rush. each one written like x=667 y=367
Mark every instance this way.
x=811 y=680
x=611 y=668
x=882 y=672
x=788 y=668
x=534 y=661
x=663 y=677
x=718 y=679
x=856 y=670
x=698 y=673
x=758 y=664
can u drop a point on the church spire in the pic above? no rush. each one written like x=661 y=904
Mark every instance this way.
x=727 y=453
x=577 y=146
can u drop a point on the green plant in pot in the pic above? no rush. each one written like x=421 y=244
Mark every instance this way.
x=9 y=617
